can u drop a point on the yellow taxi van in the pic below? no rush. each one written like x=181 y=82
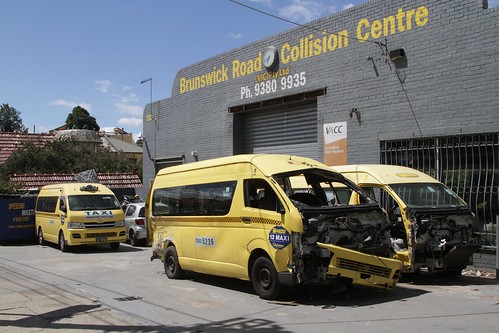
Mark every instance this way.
x=79 y=214
x=431 y=227
x=240 y=217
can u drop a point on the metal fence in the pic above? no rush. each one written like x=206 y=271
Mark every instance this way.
x=468 y=164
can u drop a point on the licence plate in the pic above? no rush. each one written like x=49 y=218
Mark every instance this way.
x=101 y=239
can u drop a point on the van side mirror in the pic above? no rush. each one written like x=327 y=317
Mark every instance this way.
x=63 y=208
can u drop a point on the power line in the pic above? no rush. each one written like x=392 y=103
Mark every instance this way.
x=381 y=45
x=298 y=24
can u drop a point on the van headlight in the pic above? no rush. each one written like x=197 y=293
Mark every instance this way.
x=76 y=225
x=120 y=223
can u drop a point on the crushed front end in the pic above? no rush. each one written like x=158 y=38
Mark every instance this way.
x=346 y=243
x=442 y=239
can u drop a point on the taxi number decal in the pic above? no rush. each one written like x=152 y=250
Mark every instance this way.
x=279 y=237
x=205 y=241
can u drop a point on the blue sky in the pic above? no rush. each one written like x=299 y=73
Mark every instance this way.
x=57 y=54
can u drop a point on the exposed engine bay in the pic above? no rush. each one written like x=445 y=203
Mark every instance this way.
x=359 y=229
x=363 y=230
x=329 y=219
x=441 y=238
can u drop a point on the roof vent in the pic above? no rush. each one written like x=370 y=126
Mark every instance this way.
x=89 y=188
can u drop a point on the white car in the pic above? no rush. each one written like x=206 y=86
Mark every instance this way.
x=135 y=223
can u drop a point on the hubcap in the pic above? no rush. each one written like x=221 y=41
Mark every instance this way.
x=265 y=278
x=170 y=263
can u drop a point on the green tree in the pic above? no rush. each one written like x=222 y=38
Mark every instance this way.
x=65 y=156
x=79 y=118
x=10 y=119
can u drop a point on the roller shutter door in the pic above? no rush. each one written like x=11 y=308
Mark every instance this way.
x=283 y=129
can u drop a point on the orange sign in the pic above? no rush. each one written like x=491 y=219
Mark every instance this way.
x=335 y=143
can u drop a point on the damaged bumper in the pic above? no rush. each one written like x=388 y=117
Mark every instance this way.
x=363 y=269
x=457 y=258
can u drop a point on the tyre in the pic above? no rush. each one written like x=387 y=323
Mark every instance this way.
x=133 y=238
x=172 y=266
x=115 y=245
x=41 y=240
x=265 y=279
x=62 y=243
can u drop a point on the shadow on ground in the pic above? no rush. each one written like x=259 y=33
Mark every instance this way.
x=325 y=296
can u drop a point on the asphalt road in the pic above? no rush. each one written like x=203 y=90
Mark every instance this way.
x=95 y=289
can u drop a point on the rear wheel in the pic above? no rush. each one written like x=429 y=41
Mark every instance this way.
x=265 y=279
x=172 y=266
x=133 y=238
x=62 y=243
x=41 y=240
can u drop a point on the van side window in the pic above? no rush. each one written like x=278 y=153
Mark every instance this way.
x=211 y=199
x=46 y=204
x=259 y=194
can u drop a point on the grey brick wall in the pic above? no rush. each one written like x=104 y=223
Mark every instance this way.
x=450 y=76
x=484 y=260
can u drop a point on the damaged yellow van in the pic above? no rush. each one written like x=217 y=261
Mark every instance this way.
x=431 y=228
x=79 y=214
x=240 y=217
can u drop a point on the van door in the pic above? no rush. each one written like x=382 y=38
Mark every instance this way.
x=53 y=223
x=261 y=215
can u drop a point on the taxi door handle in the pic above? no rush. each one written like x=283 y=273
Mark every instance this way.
x=246 y=219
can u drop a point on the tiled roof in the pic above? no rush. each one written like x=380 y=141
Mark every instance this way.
x=10 y=142
x=119 y=145
x=111 y=180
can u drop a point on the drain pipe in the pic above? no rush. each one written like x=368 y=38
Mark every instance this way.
x=497 y=247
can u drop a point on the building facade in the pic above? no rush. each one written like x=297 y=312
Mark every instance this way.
x=407 y=82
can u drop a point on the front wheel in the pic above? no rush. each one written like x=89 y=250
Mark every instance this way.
x=62 y=243
x=172 y=266
x=265 y=279
x=41 y=240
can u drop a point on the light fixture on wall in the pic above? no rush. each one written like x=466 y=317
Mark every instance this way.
x=357 y=114
x=397 y=54
x=194 y=154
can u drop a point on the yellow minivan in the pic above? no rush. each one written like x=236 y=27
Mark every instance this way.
x=431 y=228
x=79 y=214
x=240 y=217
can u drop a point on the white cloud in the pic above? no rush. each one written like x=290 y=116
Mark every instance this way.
x=131 y=122
x=132 y=97
x=103 y=85
x=135 y=110
x=107 y=129
x=348 y=5
x=71 y=104
x=234 y=35
x=302 y=11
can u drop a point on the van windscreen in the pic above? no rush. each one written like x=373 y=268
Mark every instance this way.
x=427 y=195
x=92 y=202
